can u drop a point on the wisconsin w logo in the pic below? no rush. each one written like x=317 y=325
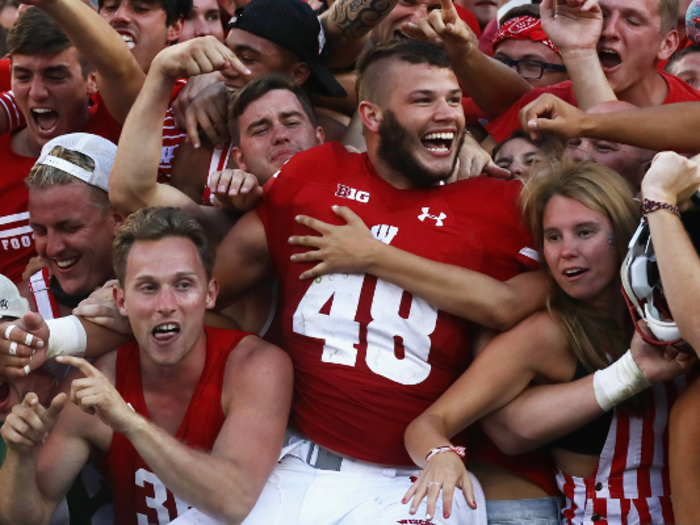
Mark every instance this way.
x=384 y=233
x=437 y=218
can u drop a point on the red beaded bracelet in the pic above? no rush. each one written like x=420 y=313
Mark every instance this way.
x=460 y=451
x=649 y=206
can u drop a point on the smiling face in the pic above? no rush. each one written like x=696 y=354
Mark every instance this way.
x=142 y=26
x=52 y=94
x=203 y=20
x=420 y=125
x=165 y=295
x=578 y=252
x=73 y=235
x=272 y=129
x=631 y=43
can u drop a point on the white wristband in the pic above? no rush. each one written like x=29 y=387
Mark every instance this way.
x=67 y=337
x=618 y=382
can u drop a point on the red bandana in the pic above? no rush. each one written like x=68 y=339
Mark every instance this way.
x=524 y=28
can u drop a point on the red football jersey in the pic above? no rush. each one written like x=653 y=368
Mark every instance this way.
x=368 y=356
x=139 y=496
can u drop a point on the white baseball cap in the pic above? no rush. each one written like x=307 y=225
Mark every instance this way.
x=11 y=303
x=99 y=149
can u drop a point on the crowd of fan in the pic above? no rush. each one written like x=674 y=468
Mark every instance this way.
x=349 y=261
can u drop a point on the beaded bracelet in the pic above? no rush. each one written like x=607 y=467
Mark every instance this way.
x=460 y=451
x=649 y=206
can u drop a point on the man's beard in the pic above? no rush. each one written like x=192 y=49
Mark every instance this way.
x=395 y=150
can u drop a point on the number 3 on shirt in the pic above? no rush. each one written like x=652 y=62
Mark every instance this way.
x=341 y=332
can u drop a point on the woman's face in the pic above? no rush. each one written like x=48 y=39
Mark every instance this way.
x=518 y=156
x=579 y=249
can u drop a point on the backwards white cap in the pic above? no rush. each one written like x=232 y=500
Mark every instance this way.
x=11 y=303
x=99 y=149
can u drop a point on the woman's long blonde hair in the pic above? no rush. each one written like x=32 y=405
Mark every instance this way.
x=591 y=334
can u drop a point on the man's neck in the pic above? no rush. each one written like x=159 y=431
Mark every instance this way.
x=168 y=390
x=652 y=91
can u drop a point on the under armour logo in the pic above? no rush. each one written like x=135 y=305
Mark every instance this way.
x=437 y=218
x=384 y=233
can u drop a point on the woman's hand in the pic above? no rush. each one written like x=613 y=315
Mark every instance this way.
x=347 y=249
x=444 y=472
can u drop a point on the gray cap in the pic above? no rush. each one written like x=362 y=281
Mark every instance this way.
x=11 y=303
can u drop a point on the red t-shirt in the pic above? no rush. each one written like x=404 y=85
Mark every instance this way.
x=139 y=496
x=502 y=127
x=368 y=356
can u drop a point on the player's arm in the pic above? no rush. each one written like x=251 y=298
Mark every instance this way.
x=543 y=413
x=119 y=75
x=466 y=293
x=493 y=86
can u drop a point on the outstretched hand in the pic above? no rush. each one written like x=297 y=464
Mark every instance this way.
x=444 y=26
x=23 y=348
x=443 y=473
x=346 y=248
x=572 y=25
x=549 y=113
x=95 y=394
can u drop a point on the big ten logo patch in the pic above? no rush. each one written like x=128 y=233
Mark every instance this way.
x=351 y=193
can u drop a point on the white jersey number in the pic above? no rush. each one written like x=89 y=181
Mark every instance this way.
x=340 y=332
x=160 y=496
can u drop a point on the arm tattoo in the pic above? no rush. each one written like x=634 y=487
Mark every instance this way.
x=354 y=18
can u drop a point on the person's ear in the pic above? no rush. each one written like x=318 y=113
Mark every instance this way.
x=668 y=46
x=174 y=30
x=238 y=157
x=299 y=73
x=371 y=115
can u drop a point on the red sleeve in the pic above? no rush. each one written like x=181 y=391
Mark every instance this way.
x=5 y=74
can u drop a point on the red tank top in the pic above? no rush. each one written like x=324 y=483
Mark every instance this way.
x=139 y=496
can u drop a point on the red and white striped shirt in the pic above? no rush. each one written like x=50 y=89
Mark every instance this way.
x=44 y=300
x=631 y=484
x=172 y=137
x=218 y=162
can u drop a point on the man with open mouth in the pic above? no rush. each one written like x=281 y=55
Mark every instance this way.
x=52 y=84
x=611 y=50
x=185 y=415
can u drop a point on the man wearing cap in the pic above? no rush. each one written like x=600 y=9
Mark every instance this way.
x=52 y=83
